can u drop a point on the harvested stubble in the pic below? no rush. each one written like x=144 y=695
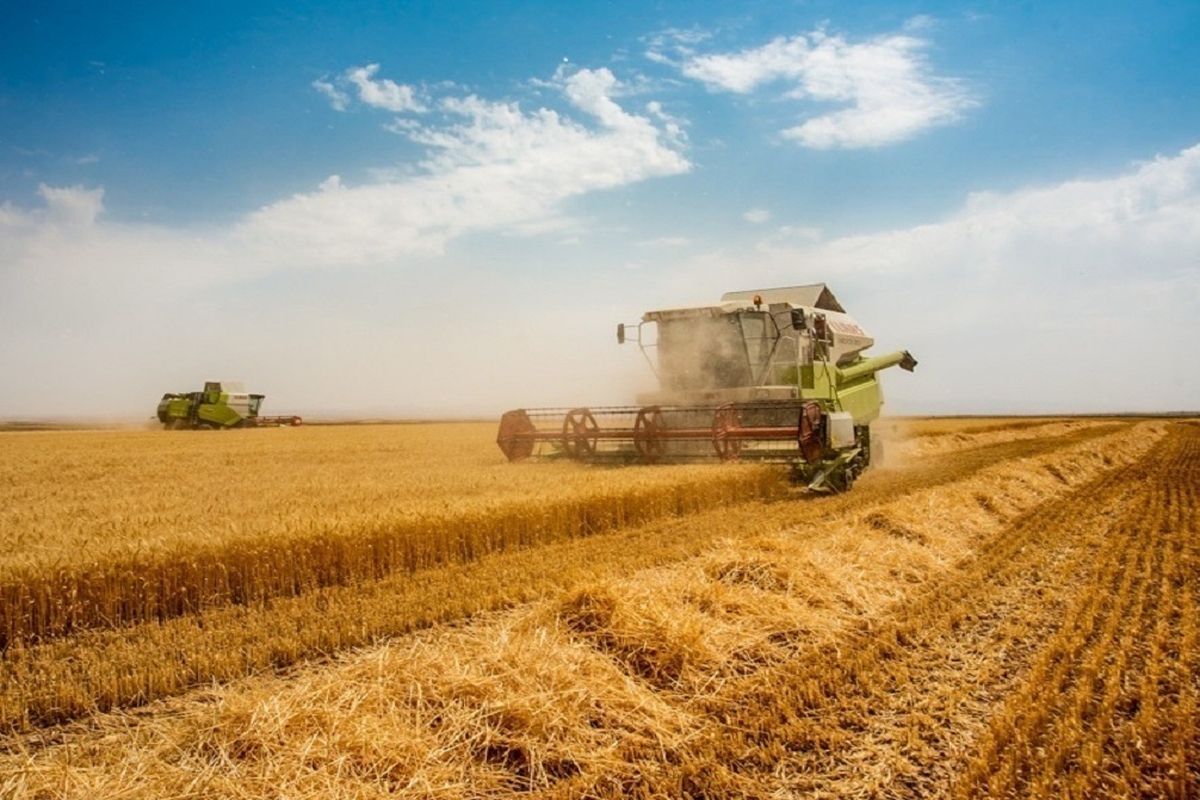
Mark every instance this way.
x=784 y=647
x=110 y=529
x=102 y=669
x=1110 y=706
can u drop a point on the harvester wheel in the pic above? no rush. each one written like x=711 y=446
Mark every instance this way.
x=726 y=422
x=580 y=432
x=514 y=436
x=650 y=447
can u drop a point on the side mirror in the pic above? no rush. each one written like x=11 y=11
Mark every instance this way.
x=798 y=318
x=621 y=333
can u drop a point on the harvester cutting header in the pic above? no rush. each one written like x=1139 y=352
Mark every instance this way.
x=772 y=375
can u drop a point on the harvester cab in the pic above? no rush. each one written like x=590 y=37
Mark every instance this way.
x=770 y=375
x=222 y=404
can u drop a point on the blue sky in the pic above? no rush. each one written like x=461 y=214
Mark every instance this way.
x=445 y=208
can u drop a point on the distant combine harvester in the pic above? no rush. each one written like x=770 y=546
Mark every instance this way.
x=222 y=404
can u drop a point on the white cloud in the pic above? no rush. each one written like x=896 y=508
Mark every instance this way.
x=886 y=87
x=74 y=205
x=1083 y=296
x=491 y=167
x=1146 y=221
x=757 y=215
x=337 y=98
x=385 y=94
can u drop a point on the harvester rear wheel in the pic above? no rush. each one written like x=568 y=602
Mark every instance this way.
x=580 y=432
x=649 y=445
x=514 y=439
x=727 y=421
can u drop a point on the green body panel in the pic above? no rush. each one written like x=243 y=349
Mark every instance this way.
x=857 y=389
x=218 y=413
x=863 y=399
x=210 y=408
x=853 y=389
x=175 y=409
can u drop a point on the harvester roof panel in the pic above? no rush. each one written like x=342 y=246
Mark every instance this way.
x=816 y=295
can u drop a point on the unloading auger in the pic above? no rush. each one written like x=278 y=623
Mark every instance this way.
x=774 y=375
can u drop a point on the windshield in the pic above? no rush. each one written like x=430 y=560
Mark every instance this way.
x=703 y=353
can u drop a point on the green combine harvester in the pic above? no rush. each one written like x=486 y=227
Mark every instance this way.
x=774 y=375
x=221 y=405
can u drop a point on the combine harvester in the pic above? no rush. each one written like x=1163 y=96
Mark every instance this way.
x=775 y=375
x=221 y=405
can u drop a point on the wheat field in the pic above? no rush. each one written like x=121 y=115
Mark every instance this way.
x=1008 y=608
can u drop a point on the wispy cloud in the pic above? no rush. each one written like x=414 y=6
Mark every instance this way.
x=488 y=165
x=886 y=90
x=339 y=99
x=385 y=94
x=376 y=93
x=1142 y=223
